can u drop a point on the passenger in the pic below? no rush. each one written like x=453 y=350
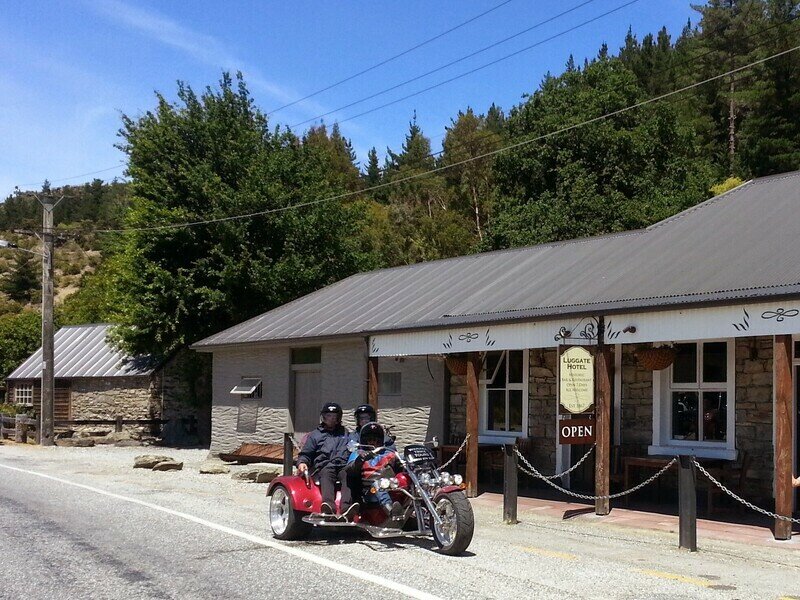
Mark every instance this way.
x=365 y=413
x=372 y=466
x=325 y=451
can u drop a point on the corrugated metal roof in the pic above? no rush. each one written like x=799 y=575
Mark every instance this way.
x=742 y=244
x=83 y=351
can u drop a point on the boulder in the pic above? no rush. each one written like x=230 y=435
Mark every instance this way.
x=168 y=465
x=113 y=437
x=148 y=461
x=128 y=443
x=262 y=474
x=214 y=467
x=75 y=442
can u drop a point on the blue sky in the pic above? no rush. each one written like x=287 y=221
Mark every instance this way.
x=68 y=70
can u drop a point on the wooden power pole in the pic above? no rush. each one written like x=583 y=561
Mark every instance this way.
x=48 y=372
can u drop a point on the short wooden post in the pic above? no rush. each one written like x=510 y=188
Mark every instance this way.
x=782 y=364
x=510 y=484
x=372 y=383
x=118 y=425
x=288 y=455
x=687 y=504
x=21 y=429
x=473 y=373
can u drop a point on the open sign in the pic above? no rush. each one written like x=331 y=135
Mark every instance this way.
x=576 y=431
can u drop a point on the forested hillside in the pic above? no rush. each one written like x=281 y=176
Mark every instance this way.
x=320 y=213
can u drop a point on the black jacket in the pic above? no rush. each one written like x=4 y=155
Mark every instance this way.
x=325 y=447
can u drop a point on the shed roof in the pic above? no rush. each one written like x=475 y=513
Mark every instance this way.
x=84 y=351
x=740 y=245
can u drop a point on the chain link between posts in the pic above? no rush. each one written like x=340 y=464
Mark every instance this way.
x=749 y=505
x=452 y=458
x=533 y=472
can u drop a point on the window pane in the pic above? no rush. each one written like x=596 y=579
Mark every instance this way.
x=715 y=416
x=515 y=366
x=307 y=356
x=500 y=378
x=496 y=407
x=684 y=415
x=715 y=362
x=797 y=350
x=515 y=410
x=389 y=384
x=684 y=369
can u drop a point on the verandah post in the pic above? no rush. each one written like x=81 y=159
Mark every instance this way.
x=473 y=373
x=372 y=382
x=603 y=402
x=782 y=363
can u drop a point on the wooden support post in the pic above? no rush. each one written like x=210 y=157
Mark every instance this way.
x=473 y=374
x=687 y=504
x=604 y=400
x=510 y=483
x=118 y=424
x=782 y=363
x=288 y=455
x=372 y=383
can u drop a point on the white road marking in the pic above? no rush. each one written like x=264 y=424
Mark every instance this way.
x=324 y=562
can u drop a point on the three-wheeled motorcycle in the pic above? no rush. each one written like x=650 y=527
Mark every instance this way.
x=433 y=504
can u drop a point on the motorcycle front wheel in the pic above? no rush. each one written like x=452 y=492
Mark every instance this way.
x=458 y=523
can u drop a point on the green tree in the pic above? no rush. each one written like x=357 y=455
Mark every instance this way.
x=20 y=336
x=211 y=156
x=620 y=173
x=21 y=283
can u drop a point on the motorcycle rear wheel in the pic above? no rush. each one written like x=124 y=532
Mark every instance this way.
x=458 y=523
x=286 y=523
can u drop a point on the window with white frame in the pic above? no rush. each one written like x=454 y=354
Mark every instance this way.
x=504 y=393
x=694 y=400
x=23 y=394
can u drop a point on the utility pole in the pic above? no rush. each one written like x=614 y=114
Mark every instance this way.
x=48 y=372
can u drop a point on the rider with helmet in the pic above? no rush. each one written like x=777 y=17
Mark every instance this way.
x=373 y=463
x=365 y=413
x=325 y=452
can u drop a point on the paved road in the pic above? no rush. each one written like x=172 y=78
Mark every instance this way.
x=59 y=540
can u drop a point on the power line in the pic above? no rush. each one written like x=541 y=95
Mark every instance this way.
x=449 y=166
x=445 y=66
x=391 y=58
x=21 y=185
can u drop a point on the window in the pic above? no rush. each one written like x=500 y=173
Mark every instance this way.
x=504 y=393
x=307 y=356
x=389 y=384
x=248 y=387
x=23 y=394
x=694 y=399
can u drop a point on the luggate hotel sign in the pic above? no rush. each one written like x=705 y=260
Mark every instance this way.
x=576 y=380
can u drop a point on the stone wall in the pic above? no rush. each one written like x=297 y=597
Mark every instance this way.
x=542 y=393
x=108 y=398
x=637 y=405
x=185 y=389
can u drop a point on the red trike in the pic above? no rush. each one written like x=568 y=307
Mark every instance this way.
x=433 y=504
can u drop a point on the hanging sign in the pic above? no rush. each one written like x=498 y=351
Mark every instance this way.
x=576 y=381
x=576 y=431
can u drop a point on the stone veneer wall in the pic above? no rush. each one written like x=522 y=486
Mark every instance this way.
x=637 y=405
x=128 y=397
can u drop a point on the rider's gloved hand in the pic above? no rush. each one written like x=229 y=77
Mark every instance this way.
x=302 y=468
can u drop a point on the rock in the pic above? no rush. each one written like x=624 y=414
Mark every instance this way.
x=214 y=467
x=75 y=442
x=168 y=465
x=148 y=461
x=93 y=433
x=128 y=443
x=263 y=474
x=113 y=437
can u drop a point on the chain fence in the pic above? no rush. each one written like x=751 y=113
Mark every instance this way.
x=452 y=458
x=533 y=472
x=738 y=498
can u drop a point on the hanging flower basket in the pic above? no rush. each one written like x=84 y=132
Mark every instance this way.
x=456 y=364
x=655 y=359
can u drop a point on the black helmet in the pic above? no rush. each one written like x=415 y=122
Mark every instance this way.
x=372 y=434
x=364 y=411
x=331 y=415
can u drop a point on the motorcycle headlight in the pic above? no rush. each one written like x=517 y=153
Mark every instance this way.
x=445 y=478
x=458 y=479
x=384 y=483
x=394 y=483
x=425 y=479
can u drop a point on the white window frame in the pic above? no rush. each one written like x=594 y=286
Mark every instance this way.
x=26 y=398
x=489 y=434
x=662 y=408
